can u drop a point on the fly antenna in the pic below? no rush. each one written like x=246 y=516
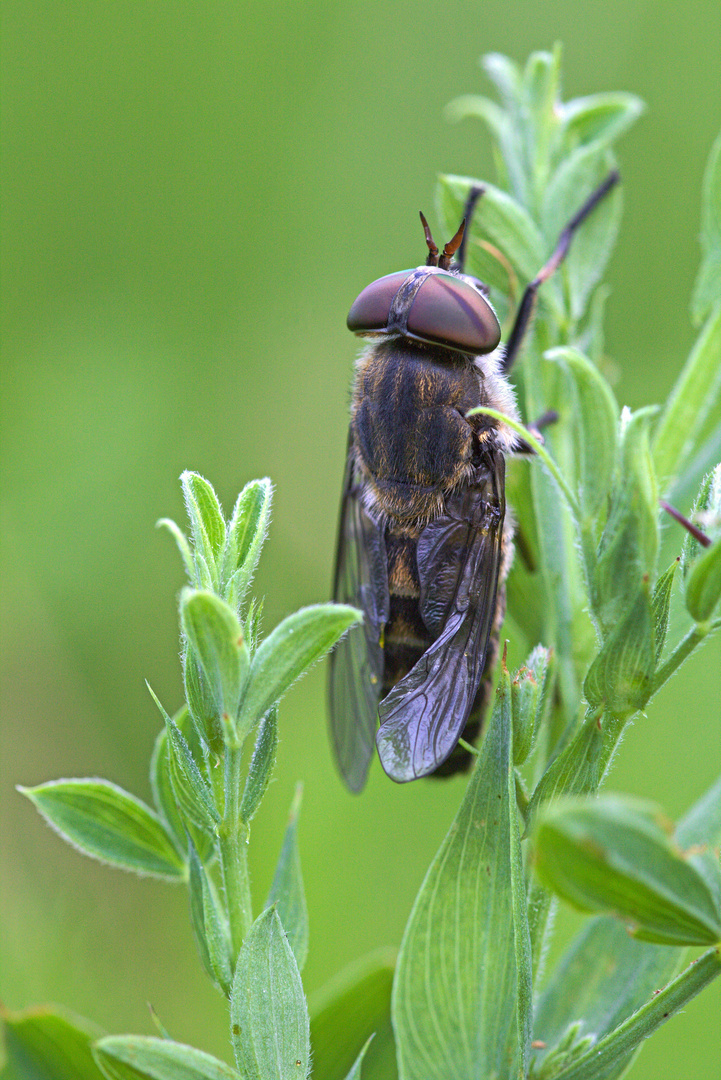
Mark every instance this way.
x=452 y=247
x=432 y=259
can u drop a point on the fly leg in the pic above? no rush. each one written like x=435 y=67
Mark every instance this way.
x=528 y=301
x=548 y=418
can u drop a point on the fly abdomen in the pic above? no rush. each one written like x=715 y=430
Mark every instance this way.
x=406 y=636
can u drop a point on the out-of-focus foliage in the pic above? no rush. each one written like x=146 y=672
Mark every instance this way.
x=194 y=195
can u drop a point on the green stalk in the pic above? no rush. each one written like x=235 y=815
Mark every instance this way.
x=233 y=851
x=539 y=923
x=538 y=449
x=599 y=1062
x=589 y=558
x=682 y=651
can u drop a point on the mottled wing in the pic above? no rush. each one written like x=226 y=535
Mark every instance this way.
x=356 y=665
x=459 y=558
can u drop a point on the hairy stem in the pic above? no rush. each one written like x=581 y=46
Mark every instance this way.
x=538 y=449
x=683 y=650
x=233 y=851
x=539 y=922
x=600 y=1060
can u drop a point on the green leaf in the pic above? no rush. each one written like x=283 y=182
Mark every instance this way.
x=504 y=224
x=252 y=623
x=183 y=546
x=702 y=823
x=139 y=1057
x=203 y=574
x=355 y=1072
x=697 y=392
x=569 y=1048
x=705 y=457
x=598 y=118
x=611 y=855
x=206 y=517
x=528 y=700
x=576 y=770
x=246 y=534
x=596 y=993
x=216 y=635
x=594 y=428
x=482 y=108
x=559 y=572
x=506 y=76
x=607 y=1059
x=261 y=765
x=286 y=892
x=45 y=1044
x=707 y=289
x=353 y=1006
x=461 y=997
x=287 y=653
x=500 y=126
x=202 y=706
x=541 y=85
x=269 y=1018
x=621 y=676
x=661 y=605
x=706 y=514
x=105 y=822
x=698 y=834
x=164 y=796
x=499 y=218
x=703 y=588
x=629 y=543
x=192 y=792
x=210 y=926
x=593 y=338
x=197 y=917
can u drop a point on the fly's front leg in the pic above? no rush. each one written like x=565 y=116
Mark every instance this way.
x=548 y=418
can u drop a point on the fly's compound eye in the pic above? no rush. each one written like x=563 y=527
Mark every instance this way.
x=369 y=311
x=477 y=284
x=448 y=311
x=444 y=310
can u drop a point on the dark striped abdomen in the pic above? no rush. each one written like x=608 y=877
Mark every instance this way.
x=406 y=637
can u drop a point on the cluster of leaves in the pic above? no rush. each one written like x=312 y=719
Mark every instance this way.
x=206 y=791
x=466 y=997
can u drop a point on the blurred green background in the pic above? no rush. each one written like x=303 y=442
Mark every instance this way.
x=194 y=194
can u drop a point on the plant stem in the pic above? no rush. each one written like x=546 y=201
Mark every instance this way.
x=589 y=559
x=539 y=921
x=612 y=1050
x=684 y=649
x=233 y=850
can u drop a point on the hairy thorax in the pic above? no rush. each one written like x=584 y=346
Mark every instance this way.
x=413 y=443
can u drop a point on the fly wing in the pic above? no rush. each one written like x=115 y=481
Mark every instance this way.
x=356 y=665
x=459 y=558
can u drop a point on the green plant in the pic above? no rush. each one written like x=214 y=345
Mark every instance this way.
x=467 y=998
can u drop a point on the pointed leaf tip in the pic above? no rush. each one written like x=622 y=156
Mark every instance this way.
x=268 y=1013
x=107 y=823
x=297 y=643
